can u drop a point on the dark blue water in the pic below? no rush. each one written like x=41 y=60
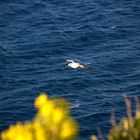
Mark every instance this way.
x=37 y=37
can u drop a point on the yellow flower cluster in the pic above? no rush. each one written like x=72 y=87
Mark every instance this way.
x=52 y=122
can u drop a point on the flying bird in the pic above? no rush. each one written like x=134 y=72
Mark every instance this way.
x=76 y=64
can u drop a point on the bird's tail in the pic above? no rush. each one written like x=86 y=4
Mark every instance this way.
x=89 y=68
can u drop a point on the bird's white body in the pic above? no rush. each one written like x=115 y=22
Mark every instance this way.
x=75 y=65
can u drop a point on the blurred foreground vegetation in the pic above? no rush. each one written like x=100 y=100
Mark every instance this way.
x=53 y=122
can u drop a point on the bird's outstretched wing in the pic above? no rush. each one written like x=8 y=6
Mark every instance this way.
x=77 y=60
x=74 y=60
x=69 y=60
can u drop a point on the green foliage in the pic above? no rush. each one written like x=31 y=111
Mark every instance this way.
x=129 y=127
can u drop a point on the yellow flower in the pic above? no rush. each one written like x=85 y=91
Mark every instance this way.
x=47 y=109
x=17 y=132
x=138 y=114
x=39 y=131
x=125 y=123
x=69 y=129
x=58 y=115
x=41 y=100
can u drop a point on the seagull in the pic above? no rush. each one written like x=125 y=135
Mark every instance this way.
x=76 y=64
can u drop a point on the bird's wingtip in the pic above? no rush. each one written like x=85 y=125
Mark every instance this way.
x=68 y=60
